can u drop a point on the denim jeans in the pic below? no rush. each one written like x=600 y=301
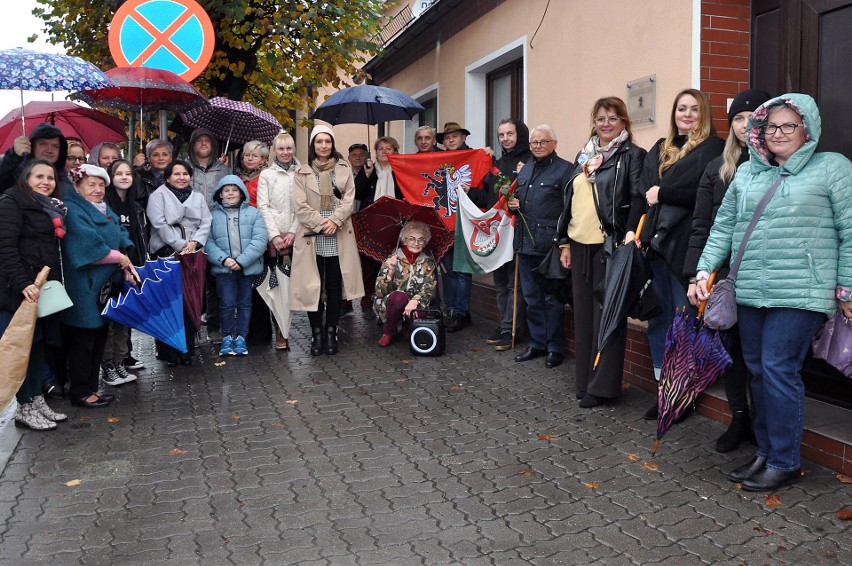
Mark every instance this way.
x=234 y=290
x=456 y=287
x=671 y=295
x=775 y=342
x=545 y=314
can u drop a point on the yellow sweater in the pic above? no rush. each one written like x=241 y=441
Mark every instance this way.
x=584 y=227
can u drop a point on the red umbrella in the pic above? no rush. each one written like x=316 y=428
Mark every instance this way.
x=192 y=268
x=90 y=126
x=377 y=227
x=142 y=87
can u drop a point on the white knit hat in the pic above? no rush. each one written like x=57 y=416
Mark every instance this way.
x=89 y=170
x=321 y=127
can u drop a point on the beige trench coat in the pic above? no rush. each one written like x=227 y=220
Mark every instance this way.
x=305 y=285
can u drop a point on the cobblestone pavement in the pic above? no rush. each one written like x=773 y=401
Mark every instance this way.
x=376 y=457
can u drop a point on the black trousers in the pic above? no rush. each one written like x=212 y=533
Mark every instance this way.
x=587 y=272
x=84 y=350
x=332 y=282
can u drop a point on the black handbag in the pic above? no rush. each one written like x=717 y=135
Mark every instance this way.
x=553 y=278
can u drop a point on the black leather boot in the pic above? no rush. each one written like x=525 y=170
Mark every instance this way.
x=331 y=340
x=317 y=342
x=739 y=430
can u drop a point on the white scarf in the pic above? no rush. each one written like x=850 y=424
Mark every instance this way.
x=384 y=186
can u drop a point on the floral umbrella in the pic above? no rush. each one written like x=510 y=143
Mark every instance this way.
x=24 y=69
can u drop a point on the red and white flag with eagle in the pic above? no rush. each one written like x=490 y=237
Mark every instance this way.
x=483 y=239
x=433 y=178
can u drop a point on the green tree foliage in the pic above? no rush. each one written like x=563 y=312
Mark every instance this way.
x=268 y=52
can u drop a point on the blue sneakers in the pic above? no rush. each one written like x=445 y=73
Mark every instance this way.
x=240 y=348
x=227 y=348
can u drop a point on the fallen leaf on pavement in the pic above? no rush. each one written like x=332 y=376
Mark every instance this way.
x=738 y=486
x=456 y=387
x=219 y=364
x=845 y=514
x=772 y=500
x=177 y=451
x=625 y=386
x=72 y=483
x=762 y=531
x=653 y=466
x=235 y=417
x=844 y=479
x=406 y=362
x=292 y=401
x=591 y=485
x=526 y=473
x=278 y=424
x=83 y=418
x=113 y=419
x=633 y=457
x=476 y=350
x=546 y=436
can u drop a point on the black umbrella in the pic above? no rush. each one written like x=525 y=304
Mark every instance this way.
x=627 y=276
x=367 y=104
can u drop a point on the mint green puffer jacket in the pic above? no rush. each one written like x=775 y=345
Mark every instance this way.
x=800 y=253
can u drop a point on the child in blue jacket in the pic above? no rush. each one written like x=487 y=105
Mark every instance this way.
x=235 y=249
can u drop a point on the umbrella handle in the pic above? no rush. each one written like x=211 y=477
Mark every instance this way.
x=703 y=304
x=640 y=226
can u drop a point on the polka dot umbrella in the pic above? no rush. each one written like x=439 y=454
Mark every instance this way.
x=233 y=120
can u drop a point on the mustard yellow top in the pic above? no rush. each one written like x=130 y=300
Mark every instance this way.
x=584 y=227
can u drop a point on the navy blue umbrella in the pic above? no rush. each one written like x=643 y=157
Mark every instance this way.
x=367 y=104
x=154 y=307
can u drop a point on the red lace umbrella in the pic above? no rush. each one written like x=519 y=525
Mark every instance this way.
x=377 y=228
x=74 y=121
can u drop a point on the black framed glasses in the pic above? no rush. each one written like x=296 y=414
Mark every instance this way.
x=540 y=143
x=785 y=128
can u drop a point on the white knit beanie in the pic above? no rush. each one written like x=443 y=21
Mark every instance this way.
x=321 y=127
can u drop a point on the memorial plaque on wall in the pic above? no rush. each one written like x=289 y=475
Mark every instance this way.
x=642 y=100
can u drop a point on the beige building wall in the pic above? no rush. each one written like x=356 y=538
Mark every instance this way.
x=581 y=52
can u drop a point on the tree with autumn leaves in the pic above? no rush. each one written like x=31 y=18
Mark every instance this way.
x=271 y=53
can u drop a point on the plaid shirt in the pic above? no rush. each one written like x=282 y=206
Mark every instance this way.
x=326 y=246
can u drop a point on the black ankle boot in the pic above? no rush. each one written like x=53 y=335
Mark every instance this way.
x=739 y=430
x=317 y=342
x=330 y=340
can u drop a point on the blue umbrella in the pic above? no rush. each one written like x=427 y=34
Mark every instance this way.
x=367 y=104
x=156 y=306
x=23 y=69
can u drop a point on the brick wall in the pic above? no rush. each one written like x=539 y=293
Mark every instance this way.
x=725 y=28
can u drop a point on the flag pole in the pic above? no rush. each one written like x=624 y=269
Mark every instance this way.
x=515 y=303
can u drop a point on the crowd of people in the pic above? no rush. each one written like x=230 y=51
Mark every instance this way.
x=93 y=218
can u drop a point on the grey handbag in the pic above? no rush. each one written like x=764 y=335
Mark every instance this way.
x=721 y=311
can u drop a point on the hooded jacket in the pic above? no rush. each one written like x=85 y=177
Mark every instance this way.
x=12 y=163
x=252 y=233
x=800 y=253
x=507 y=164
x=206 y=178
